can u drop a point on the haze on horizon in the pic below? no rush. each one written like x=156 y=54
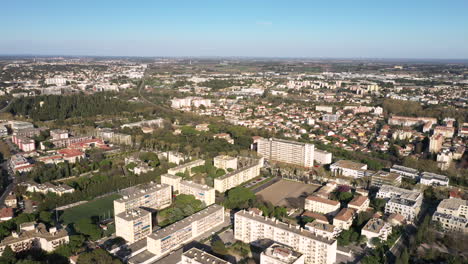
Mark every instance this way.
x=342 y=29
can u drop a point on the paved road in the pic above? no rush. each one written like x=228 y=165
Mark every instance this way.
x=266 y=185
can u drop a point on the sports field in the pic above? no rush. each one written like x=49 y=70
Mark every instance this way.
x=101 y=208
x=287 y=193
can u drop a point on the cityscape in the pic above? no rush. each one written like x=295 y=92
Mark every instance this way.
x=183 y=147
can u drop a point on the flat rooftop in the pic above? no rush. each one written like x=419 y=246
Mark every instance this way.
x=141 y=190
x=202 y=257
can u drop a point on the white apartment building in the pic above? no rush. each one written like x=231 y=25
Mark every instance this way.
x=321 y=205
x=324 y=108
x=197 y=256
x=153 y=196
x=359 y=203
x=322 y=156
x=250 y=227
x=187 y=167
x=405 y=171
x=165 y=240
x=376 y=227
x=187 y=102
x=344 y=219
x=225 y=162
x=133 y=225
x=287 y=151
x=325 y=230
x=281 y=254
x=432 y=179
x=452 y=214
x=201 y=192
x=401 y=201
x=33 y=235
x=58 y=81
x=236 y=178
x=348 y=168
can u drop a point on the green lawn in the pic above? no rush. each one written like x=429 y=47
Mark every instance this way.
x=101 y=208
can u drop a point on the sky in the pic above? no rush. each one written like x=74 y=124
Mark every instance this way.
x=255 y=28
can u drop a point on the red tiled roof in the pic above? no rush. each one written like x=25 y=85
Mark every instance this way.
x=322 y=200
x=345 y=214
x=6 y=212
x=358 y=200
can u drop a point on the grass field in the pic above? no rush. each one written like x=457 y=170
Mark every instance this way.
x=101 y=208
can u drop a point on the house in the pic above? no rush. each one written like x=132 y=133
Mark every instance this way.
x=321 y=205
x=359 y=203
x=6 y=214
x=344 y=219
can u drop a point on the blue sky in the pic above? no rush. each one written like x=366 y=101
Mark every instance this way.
x=331 y=29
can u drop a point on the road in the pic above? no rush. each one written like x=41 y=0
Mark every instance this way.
x=142 y=84
x=6 y=107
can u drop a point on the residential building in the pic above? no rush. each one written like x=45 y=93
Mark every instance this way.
x=348 y=168
x=47 y=187
x=452 y=214
x=322 y=157
x=58 y=134
x=324 y=108
x=18 y=163
x=344 y=219
x=401 y=201
x=388 y=178
x=435 y=143
x=286 y=151
x=429 y=178
x=224 y=136
x=330 y=118
x=11 y=201
x=376 y=227
x=197 y=256
x=447 y=132
x=323 y=229
x=32 y=235
x=250 y=227
x=237 y=177
x=281 y=254
x=225 y=162
x=405 y=171
x=187 y=167
x=6 y=214
x=321 y=205
x=152 y=196
x=3 y=131
x=133 y=225
x=165 y=240
x=359 y=203
x=201 y=192
x=24 y=143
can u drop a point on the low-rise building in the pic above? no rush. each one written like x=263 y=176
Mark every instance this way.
x=405 y=171
x=432 y=179
x=281 y=254
x=348 y=168
x=197 y=256
x=225 y=162
x=452 y=214
x=344 y=219
x=376 y=227
x=187 y=167
x=32 y=235
x=6 y=214
x=48 y=187
x=237 y=177
x=388 y=178
x=323 y=229
x=321 y=205
x=401 y=201
x=359 y=203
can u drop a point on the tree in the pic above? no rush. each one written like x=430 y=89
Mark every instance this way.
x=86 y=227
x=239 y=197
x=8 y=256
x=45 y=217
x=97 y=256
x=219 y=247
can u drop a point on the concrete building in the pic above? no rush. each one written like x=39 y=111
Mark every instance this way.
x=359 y=203
x=281 y=254
x=435 y=143
x=151 y=196
x=286 y=151
x=452 y=214
x=163 y=241
x=225 y=162
x=401 y=201
x=250 y=227
x=348 y=168
x=331 y=118
x=197 y=256
x=344 y=219
x=187 y=167
x=324 y=108
x=405 y=171
x=133 y=225
x=47 y=187
x=323 y=229
x=321 y=205
x=24 y=143
x=322 y=157
x=32 y=235
x=432 y=179
x=376 y=227
x=201 y=192
x=237 y=177
x=58 y=134
x=388 y=178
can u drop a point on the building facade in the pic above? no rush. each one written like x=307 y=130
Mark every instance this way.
x=286 y=151
x=152 y=196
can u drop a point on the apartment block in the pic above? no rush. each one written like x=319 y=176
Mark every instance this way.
x=197 y=256
x=201 y=192
x=133 y=225
x=344 y=219
x=388 y=178
x=405 y=171
x=281 y=254
x=376 y=227
x=225 y=162
x=401 y=201
x=359 y=203
x=165 y=240
x=432 y=179
x=33 y=235
x=249 y=227
x=237 y=177
x=435 y=143
x=452 y=214
x=321 y=205
x=286 y=151
x=151 y=196
x=24 y=143
x=322 y=156
x=348 y=168
x=187 y=167
x=323 y=229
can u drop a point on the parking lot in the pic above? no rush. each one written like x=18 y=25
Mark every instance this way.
x=287 y=193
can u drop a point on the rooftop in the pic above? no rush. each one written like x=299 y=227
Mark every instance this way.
x=349 y=165
x=202 y=257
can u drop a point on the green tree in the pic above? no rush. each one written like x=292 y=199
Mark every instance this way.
x=219 y=247
x=97 y=256
x=239 y=197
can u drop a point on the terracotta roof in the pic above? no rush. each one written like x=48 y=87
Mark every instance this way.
x=6 y=212
x=322 y=200
x=316 y=216
x=358 y=201
x=345 y=214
